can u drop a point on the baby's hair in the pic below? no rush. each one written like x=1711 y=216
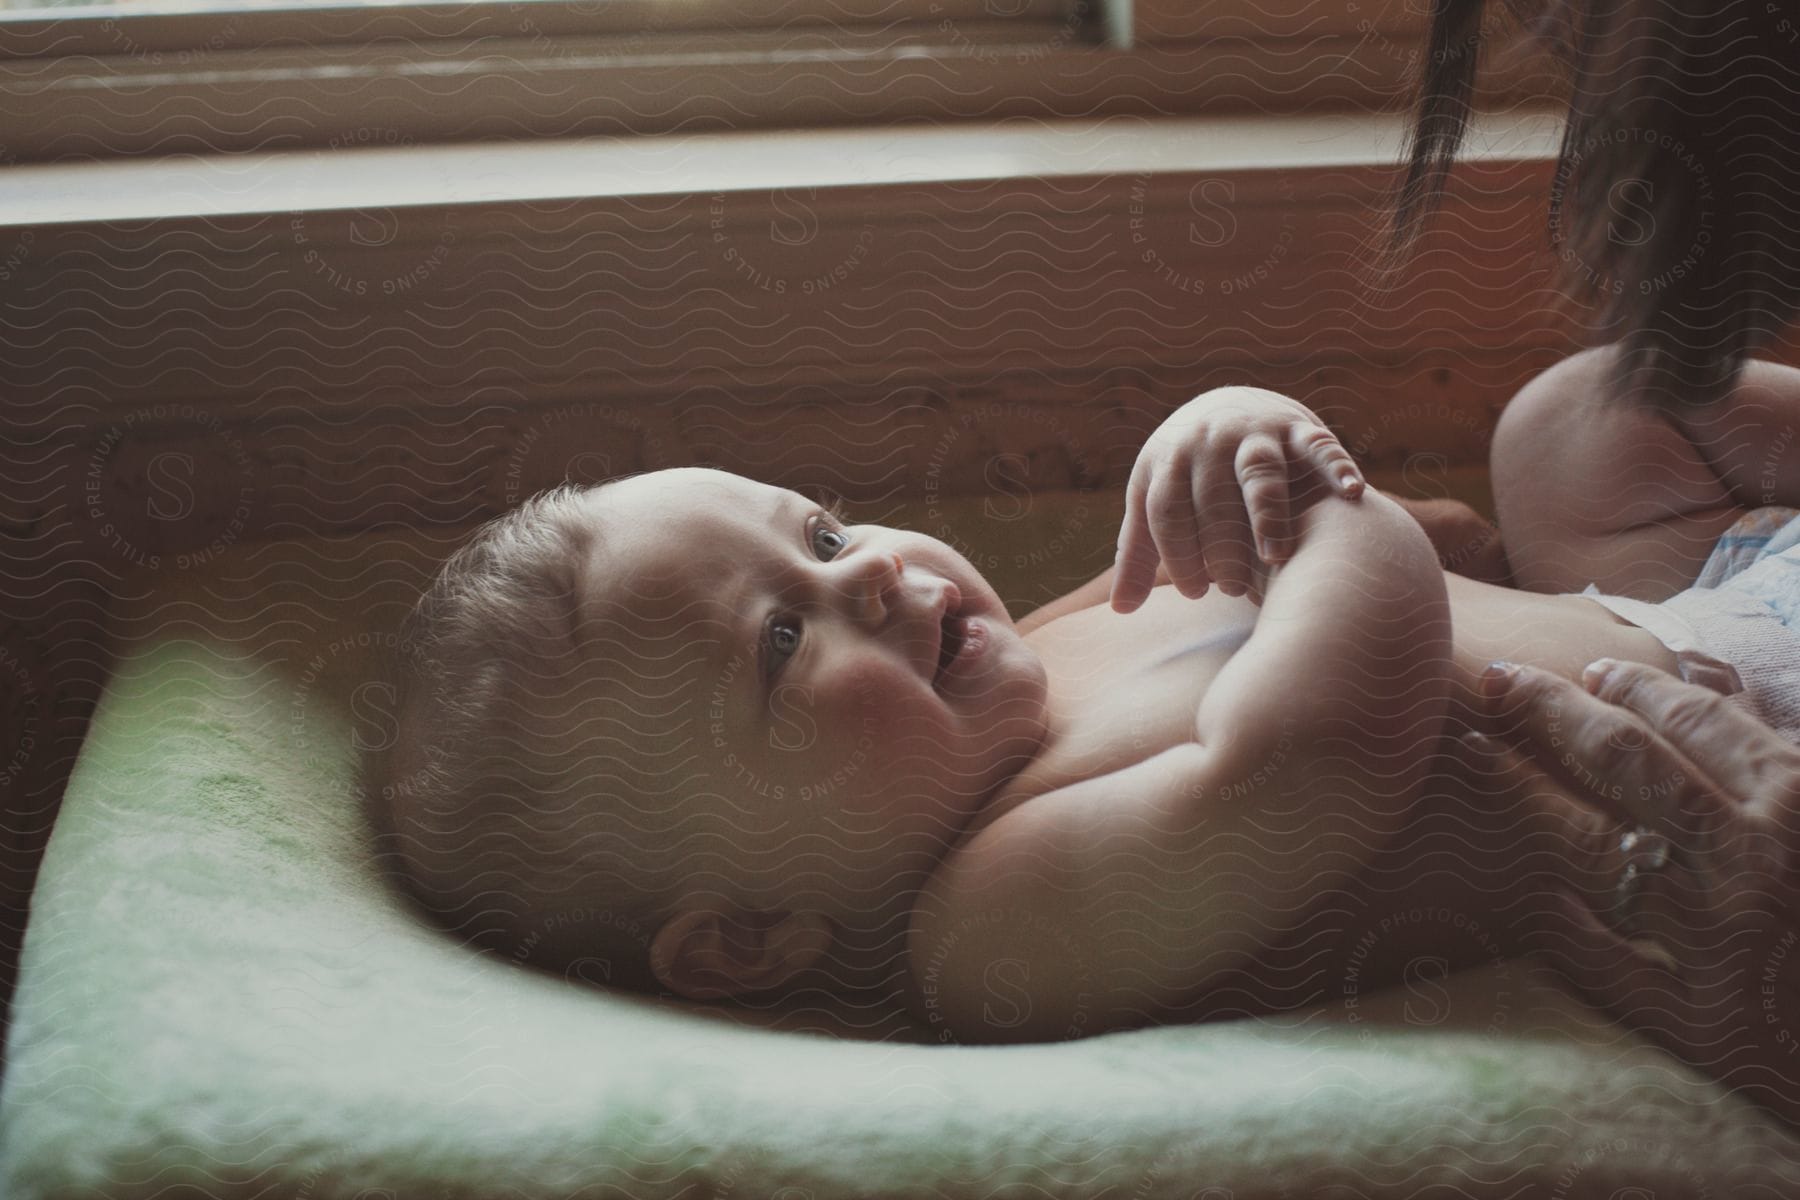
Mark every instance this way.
x=1676 y=180
x=470 y=809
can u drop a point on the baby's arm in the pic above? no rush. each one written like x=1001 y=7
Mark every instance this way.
x=1465 y=542
x=1120 y=898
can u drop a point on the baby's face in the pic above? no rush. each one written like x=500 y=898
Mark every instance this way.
x=852 y=694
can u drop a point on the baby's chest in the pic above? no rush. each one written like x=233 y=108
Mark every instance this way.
x=1123 y=688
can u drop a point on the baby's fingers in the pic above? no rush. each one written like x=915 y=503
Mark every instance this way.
x=1318 y=447
x=1262 y=476
x=1134 y=565
x=1175 y=528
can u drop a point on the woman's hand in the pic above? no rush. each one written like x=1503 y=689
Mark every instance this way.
x=1210 y=494
x=1712 y=970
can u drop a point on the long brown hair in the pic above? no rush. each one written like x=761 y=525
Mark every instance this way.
x=1676 y=197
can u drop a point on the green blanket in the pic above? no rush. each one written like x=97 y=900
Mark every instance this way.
x=219 y=997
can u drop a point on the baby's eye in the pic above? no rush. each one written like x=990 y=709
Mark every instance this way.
x=783 y=640
x=828 y=543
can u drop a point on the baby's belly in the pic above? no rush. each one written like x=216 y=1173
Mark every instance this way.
x=1124 y=688
x=1558 y=633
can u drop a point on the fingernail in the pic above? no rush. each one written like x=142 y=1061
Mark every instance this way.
x=1480 y=743
x=1262 y=550
x=1498 y=676
x=1594 y=675
x=1349 y=481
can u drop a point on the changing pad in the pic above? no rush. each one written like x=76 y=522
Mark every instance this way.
x=220 y=997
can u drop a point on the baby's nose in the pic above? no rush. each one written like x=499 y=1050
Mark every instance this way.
x=880 y=580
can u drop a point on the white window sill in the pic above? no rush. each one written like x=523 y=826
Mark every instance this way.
x=507 y=173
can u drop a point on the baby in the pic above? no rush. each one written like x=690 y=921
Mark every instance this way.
x=700 y=729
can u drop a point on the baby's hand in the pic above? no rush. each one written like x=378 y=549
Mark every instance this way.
x=1213 y=478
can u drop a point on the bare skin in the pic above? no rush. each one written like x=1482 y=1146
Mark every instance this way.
x=1172 y=655
x=1124 y=775
x=1346 y=674
x=1717 y=980
x=1711 y=969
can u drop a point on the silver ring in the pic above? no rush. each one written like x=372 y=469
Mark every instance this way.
x=1646 y=852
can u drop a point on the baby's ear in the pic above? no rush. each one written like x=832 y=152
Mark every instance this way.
x=710 y=952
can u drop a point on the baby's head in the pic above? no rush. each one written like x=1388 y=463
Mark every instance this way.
x=695 y=727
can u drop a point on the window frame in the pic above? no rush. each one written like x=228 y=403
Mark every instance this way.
x=170 y=29
x=111 y=82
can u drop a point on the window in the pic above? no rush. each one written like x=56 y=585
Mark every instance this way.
x=80 y=79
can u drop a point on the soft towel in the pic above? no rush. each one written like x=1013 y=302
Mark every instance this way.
x=218 y=997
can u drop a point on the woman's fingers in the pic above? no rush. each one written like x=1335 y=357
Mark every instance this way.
x=1637 y=982
x=1571 y=851
x=1602 y=752
x=1562 y=843
x=1743 y=755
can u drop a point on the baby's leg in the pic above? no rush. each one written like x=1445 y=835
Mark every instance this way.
x=1589 y=489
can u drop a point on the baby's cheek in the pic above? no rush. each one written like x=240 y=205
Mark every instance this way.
x=857 y=693
x=882 y=688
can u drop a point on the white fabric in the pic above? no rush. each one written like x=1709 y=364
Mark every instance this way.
x=1748 y=616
